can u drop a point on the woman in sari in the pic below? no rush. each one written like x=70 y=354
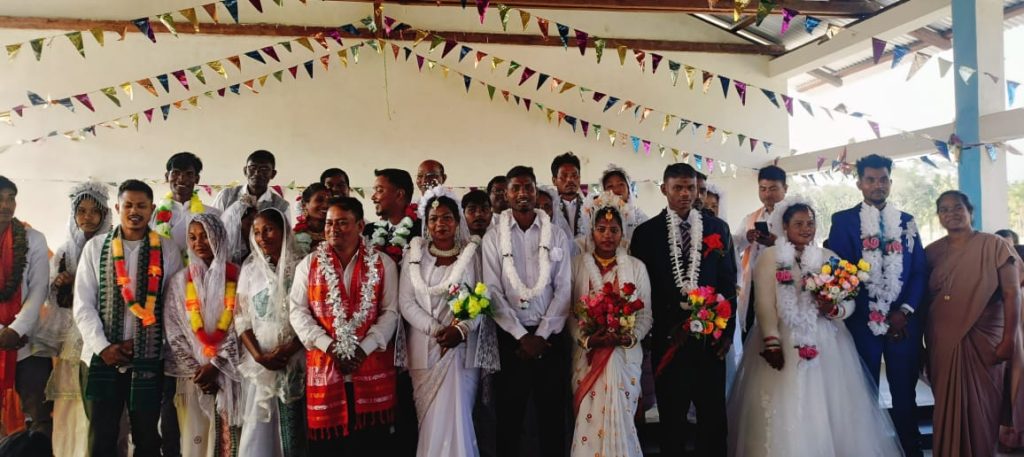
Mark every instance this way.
x=975 y=357
x=801 y=389
x=607 y=366
x=444 y=355
x=198 y=320
x=273 y=364
x=90 y=216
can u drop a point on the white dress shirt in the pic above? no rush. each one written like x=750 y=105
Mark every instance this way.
x=550 y=308
x=87 y=280
x=231 y=194
x=180 y=214
x=314 y=336
x=35 y=284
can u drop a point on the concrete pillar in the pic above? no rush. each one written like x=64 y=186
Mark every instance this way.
x=978 y=28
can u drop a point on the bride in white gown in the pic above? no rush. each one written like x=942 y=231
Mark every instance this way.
x=784 y=403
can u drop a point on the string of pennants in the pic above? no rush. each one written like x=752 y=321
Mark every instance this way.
x=557 y=117
x=603 y=100
x=150 y=114
x=693 y=74
x=220 y=66
x=143 y=24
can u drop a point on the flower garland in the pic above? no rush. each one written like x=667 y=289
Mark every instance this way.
x=884 y=284
x=154 y=274
x=345 y=328
x=20 y=248
x=686 y=279
x=210 y=342
x=544 y=256
x=594 y=272
x=796 y=308
x=394 y=240
x=452 y=278
x=165 y=212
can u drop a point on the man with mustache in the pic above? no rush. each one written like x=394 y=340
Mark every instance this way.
x=399 y=224
x=429 y=175
x=118 y=308
x=526 y=267
x=565 y=175
x=496 y=189
x=888 y=318
x=24 y=283
x=260 y=168
x=336 y=181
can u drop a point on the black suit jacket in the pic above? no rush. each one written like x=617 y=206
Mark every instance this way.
x=650 y=245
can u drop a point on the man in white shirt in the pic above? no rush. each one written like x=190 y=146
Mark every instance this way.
x=173 y=213
x=527 y=270
x=429 y=175
x=496 y=189
x=565 y=175
x=259 y=170
x=118 y=308
x=24 y=283
x=350 y=372
x=749 y=241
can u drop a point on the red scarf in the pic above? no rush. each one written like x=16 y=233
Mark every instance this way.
x=8 y=311
x=373 y=383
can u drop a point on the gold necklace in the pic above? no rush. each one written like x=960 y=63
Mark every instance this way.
x=604 y=263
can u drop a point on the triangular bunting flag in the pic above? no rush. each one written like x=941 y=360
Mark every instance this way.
x=257 y=4
x=270 y=51
x=599 y=44
x=503 y=16
x=655 y=61
x=182 y=79
x=542 y=24
x=512 y=67
x=164 y=82
x=965 y=73
x=875 y=129
x=463 y=52
x=641 y=59
x=811 y=23
x=168 y=21
x=84 y=100
x=149 y=115
x=525 y=18
x=237 y=61
x=255 y=55
x=467 y=80
x=944 y=66
x=636 y=143
x=725 y=85
x=111 y=93
x=943 y=148
x=481 y=8
x=1011 y=91
x=435 y=41
x=490 y=92
x=611 y=102
x=216 y=66
x=197 y=72
x=304 y=42
x=563 y=34
x=807 y=106
x=66 y=102
x=898 y=52
x=764 y=8
x=787 y=17
x=741 y=90
x=877 y=49
x=309 y=68
x=527 y=73
x=76 y=41
x=190 y=15
x=919 y=60
x=146 y=84
x=144 y=27
x=97 y=34
x=541 y=79
x=708 y=77
x=929 y=161
x=211 y=10
x=325 y=61
x=753 y=144
x=294 y=70
x=37 y=47
x=12 y=50
x=788 y=102
x=581 y=41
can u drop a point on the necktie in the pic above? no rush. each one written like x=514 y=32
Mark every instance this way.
x=684 y=234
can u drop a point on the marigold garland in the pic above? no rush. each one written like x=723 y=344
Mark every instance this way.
x=154 y=274
x=193 y=305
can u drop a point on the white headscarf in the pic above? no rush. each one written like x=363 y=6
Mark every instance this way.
x=720 y=192
x=209 y=279
x=283 y=272
x=76 y=237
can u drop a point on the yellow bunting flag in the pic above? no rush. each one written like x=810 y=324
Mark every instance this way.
x=737 y=9
x=263 y=79
x=420 y=36
x=148 y=85
x=12 y=50
x=111 y=93
x=194 y=100
x=664 y=125
x=190 y=15
x=690 y=75
x=97 y=34
x=127 y=88
x=168 y=22
x=445 y=70
x=525 y=18
x=304 y=41
x=343 y=56
x=495 y=61
x=216 y=66
x=135 y=120
x=566 y=87
x=611 y=136
x=6 y=117
x=37 y=47
x=76 y=40
x=551 y=114
x=622 y=55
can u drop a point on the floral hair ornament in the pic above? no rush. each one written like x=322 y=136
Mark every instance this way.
x=435 y=204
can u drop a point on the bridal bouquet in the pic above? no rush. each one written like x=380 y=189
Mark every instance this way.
x=837 y=280
x=468 y=302
x=609 y=309
x=709 y=313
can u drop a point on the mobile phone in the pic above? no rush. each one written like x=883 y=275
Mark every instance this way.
x=761 y=227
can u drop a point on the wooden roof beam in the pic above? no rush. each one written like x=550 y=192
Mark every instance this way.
x=848 y=8
x=283 y=30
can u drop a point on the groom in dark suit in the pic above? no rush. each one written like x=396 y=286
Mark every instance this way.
x=696 y=372
x=889 y=318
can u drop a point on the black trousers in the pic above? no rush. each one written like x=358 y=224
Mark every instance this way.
x=546 y=381
x=105 y=422
x=30 y=377
x=695 y=375
x=373 y=441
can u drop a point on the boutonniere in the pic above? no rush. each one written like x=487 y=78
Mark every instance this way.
x=411 y=211
x=713 y=244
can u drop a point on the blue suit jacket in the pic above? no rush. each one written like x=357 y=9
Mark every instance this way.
x=844 y=239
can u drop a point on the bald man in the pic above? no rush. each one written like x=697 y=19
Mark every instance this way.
x=430 y=174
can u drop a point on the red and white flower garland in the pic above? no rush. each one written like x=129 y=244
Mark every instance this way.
x=685 y=279
x=345 y=327
x=884 y=284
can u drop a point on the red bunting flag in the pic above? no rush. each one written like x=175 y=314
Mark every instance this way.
x=83 y=99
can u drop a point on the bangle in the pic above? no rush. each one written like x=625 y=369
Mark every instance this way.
x=769 y=339
x=583 y=342
x=461 y=331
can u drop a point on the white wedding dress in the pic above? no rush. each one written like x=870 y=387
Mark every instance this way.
x=820 y=408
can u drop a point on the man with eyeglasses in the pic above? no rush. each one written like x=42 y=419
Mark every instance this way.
x=429 y=175
x=259 y=170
